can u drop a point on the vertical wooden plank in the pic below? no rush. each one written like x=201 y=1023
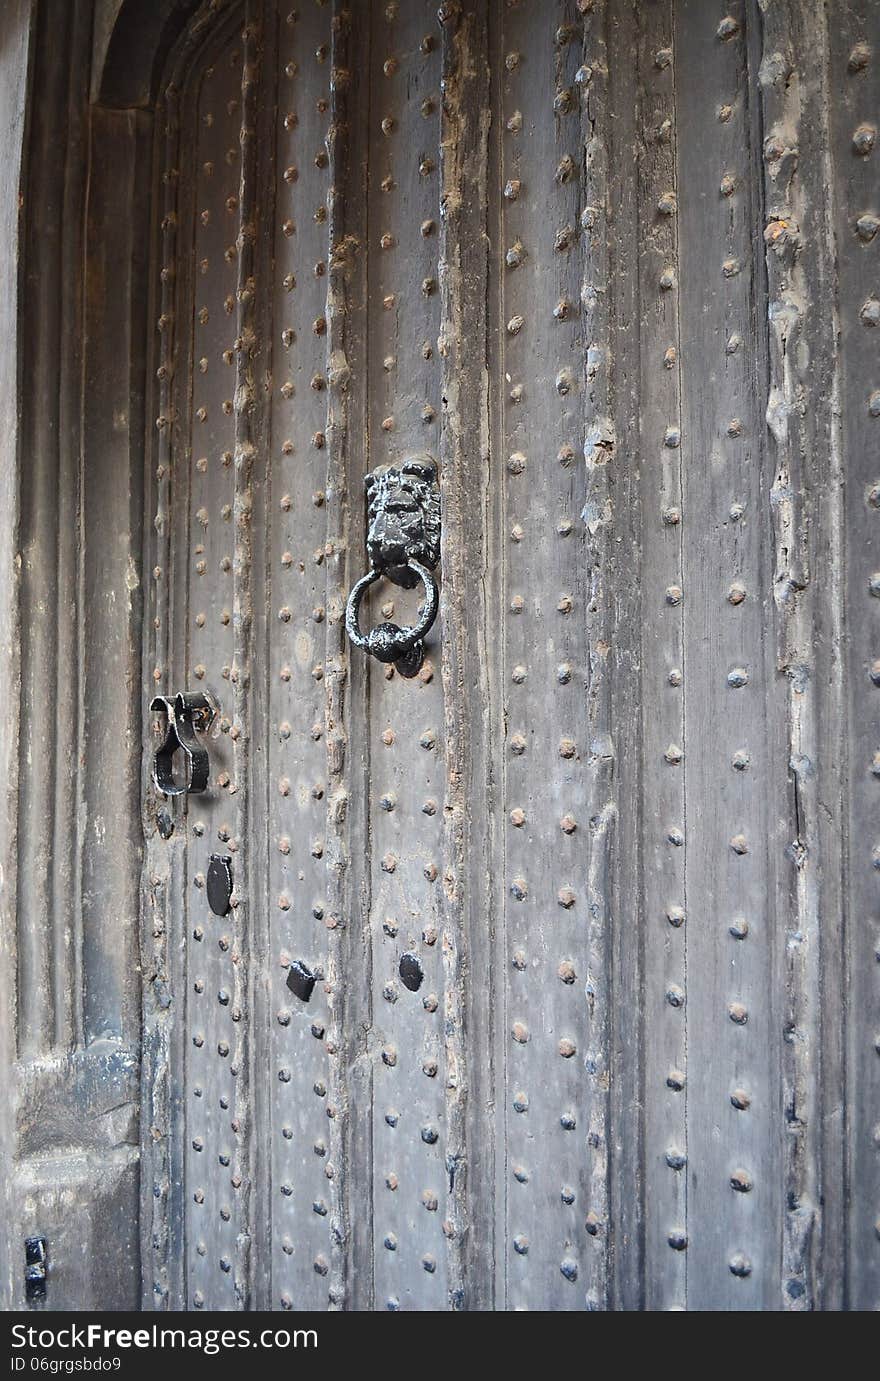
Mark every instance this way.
x=851 y=93
x=110 y=498
x=405 y=716
x=304 y=908
x=620 y=558
x=602 y=522
x=54 y=187
x=15 y=48
x=248 y=707
x=74 y=987
x=259 y=107
x=162 y=965
x=467 y=662
x=664 y=916
x=541 y=366
x=346 y=722
x=797 y=91
x=735 y=766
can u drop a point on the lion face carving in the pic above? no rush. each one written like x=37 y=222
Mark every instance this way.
x=403 y=518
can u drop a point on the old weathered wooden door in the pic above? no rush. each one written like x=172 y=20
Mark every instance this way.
x=548 y=976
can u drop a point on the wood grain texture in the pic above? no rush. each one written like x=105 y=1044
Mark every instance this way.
x=401 y=375
x=845 y=565
x=539 y=368
x=665 y=614
x=735 y=770
x=467 y=667
x=613 y=266
x=16 y=36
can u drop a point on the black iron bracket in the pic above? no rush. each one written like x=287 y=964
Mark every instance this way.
x=186 y=714
x=403 y=545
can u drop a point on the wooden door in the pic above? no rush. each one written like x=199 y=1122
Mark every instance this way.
x=327 y=786
x=573 y=897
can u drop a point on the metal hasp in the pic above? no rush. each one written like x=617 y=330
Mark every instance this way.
x=187 y=714
x=35 y=1266
x=403 y=544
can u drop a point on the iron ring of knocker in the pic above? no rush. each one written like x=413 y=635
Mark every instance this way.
x=185 y=714
x=388 y=642
x=403 y=545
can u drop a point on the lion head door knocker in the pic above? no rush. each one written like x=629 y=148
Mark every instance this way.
x=403 y=544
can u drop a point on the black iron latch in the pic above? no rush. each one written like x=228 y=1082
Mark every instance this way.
x=187 y=714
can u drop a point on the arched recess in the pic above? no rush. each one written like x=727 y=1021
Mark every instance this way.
x=131 y=45
x=74 y=519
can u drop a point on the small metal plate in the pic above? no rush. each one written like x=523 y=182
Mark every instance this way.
x=410 y=970
x=300 y=980
x=219 y=883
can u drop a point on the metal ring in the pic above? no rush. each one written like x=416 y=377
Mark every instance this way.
x=388 y=642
